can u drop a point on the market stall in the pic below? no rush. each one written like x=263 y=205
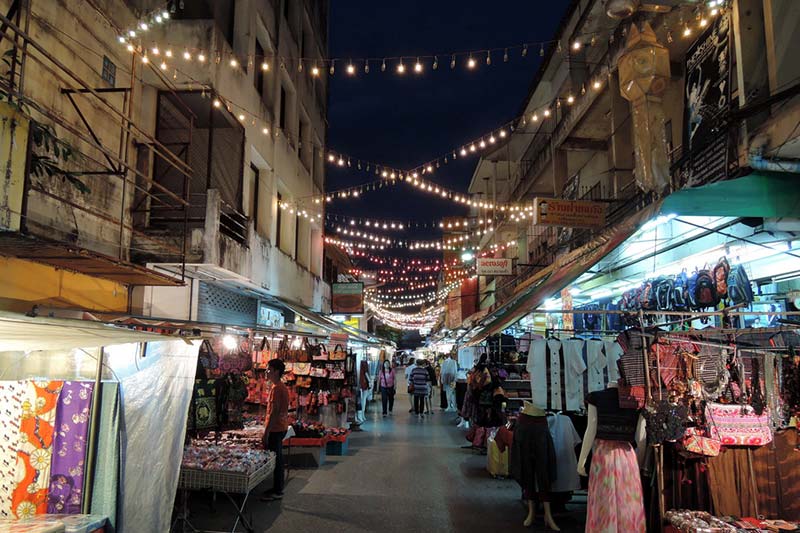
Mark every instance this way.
x=108 y=385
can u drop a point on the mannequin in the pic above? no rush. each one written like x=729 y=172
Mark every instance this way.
x=532 y=411
x=615 y=472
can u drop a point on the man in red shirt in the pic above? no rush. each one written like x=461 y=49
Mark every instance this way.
x=276 y=424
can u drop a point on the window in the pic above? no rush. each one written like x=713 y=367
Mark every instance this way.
x=260 y=74
x=251 y=201
x=284 y=107
x=296 y=235
x=230 y=23
x=109 y=71
x=278 y=224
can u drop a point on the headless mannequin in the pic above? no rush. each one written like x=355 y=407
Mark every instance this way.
x=531 y=410
x=591 y=432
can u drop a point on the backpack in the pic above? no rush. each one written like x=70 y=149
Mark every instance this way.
x=663 y=289
x=739 y=289
x=721 y=272
x=704 y=293
x=647 y=296
x=679 y=298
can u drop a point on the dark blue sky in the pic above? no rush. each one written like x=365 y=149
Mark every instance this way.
x=405 y=121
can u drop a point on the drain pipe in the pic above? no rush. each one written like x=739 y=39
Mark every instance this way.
x=757 y=161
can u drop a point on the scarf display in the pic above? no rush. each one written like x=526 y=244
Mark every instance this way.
x=69 y=448
x=11 y=393
x=35 y=448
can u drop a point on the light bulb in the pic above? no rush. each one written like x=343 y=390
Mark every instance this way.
x=535 y=118
x=130 y=47
x=502 y=133
x=131 y=33
x=435 y=62
x=687 y=31
x=401 y=68
x=265 y=131
x=168 y=53
x=570 y=99
x=159 y=19
x=488 y=58
x=597 y=84
x=331 y=158
x=351 y=69
x=471 y=147
x=492 y=139
x=546 y=112
x=315 y=71
x=165 y=15
x=482 y=144
x=703 y=22
x=122 y=39
x=155 y=51
x=233 y=63
x=264 y=66
x=576 y=45
x=429 y=168
x=143 y=26
x=163 y=65
x=241 y=117
x=366 y=66
x=201 y=58
x=383 y=66
x=217 y=103
x=471 y=62
x=187 y=56
x=144 y=59
x=453 y=61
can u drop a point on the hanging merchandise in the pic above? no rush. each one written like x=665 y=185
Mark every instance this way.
x=35 y=448
x=738 y=425
x=695 y=442
x=69 y=448
x=338 y=353
x=11 y=397
x=204 y=405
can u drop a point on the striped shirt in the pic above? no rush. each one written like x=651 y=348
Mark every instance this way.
x=420 y=378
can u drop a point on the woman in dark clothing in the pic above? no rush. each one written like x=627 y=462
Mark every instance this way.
x=431 y=385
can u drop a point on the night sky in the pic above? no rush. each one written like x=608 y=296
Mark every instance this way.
x=404 y=121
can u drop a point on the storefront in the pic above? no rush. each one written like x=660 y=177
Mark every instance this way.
x=692 y=318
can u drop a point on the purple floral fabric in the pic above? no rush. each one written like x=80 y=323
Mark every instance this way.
x=69 y=448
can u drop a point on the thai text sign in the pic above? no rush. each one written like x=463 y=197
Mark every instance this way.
x=347 y=298
x=569 y=213
x=490 y=266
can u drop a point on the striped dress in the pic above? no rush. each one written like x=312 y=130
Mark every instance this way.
x=420 y=378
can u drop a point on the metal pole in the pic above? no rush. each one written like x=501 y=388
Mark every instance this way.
x=94 y=422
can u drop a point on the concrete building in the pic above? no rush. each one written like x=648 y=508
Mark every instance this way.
x=613 y=110
x=203 y=124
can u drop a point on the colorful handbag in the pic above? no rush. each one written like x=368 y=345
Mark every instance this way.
x=288 y=377
x=303 y=381
x=338 y=354
x=738 y=425
x=318 y=372
x=696 y=442
x=335 y=372
x=320 y=353
x=301 y=369
x=283 y=351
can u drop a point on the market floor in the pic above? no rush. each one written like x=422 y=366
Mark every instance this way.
x=401 y=474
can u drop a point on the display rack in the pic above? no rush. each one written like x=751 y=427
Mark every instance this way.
x=227 y=483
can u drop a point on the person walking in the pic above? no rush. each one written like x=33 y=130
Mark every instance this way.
x=448 y=381
x=388 y=389
x=431 y=387
x=409 y=368
x=419 y=387
x=276 y=424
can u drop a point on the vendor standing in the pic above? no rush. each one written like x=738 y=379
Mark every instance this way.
x=276 y=424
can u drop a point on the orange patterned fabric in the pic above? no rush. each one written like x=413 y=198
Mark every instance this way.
x=35 y=448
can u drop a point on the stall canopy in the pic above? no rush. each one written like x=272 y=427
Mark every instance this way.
x=328 y=324
x=765 y=195
x=24 y=333
x=759 y=194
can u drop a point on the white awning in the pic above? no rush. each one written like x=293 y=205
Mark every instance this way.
x=23 y=333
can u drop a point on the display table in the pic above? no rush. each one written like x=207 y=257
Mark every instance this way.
x=309 y=452
x=227 y=482
x=337 y=444
x=75 y=523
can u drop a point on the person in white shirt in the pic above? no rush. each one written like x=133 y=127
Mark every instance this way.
x=409 y=367
x=448 y=381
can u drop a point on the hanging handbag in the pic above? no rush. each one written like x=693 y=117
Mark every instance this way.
x=738 y=425
x=302 y=354
x=303 y=381
x=302 y=369
x=335 y=372
x=320 y=353
x=338 y=353
x=318 y=372
x=283 y=351
x=696 y=442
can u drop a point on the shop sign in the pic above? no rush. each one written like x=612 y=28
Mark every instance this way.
x=707 y=95
x=269 y=316
x=347 y=298
x=569 y=213
x=491 y=266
